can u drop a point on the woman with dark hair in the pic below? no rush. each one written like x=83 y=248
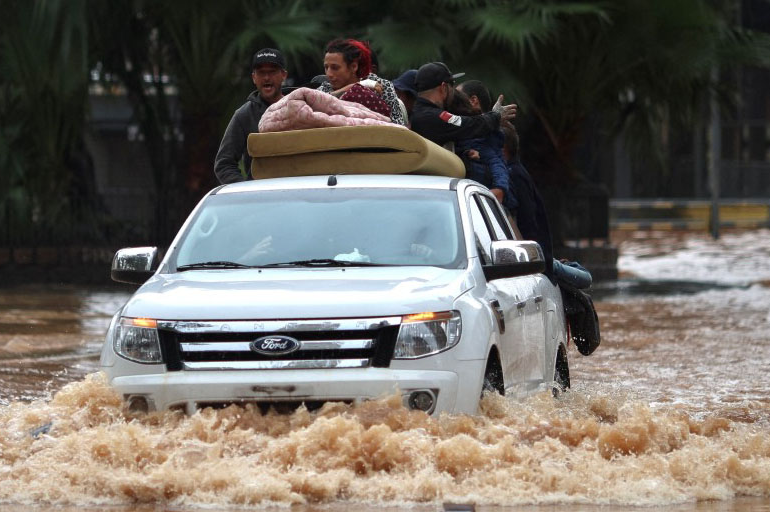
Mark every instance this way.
x=348 y=67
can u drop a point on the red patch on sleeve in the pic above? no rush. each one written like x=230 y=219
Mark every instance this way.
x=445 y=116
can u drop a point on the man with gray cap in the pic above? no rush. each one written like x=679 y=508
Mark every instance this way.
x=435 y=87
x=268 y=71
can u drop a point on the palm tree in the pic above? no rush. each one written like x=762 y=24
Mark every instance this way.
x=637 y=70
x=577 y=68
x=47 y=182
x=210 y=59
x=580 y=70
x=202 y=50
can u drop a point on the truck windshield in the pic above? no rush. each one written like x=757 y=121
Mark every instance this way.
x=323 y=226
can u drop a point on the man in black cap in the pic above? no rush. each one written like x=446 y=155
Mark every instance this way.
x=268 y=71
x=435 y=87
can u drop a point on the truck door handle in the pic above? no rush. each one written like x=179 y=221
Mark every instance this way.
x=498 y=314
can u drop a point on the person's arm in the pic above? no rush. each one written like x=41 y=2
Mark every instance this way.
x=404 y=113
x=443 y=126
x=342 y=90
x=391 y=98
x=368 y=98
x=497 y=168
x=264 y=246
x=230 y=153
x=515 y=226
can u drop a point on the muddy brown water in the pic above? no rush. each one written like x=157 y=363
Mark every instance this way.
x=671 y=413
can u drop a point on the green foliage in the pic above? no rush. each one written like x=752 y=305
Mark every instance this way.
x=637 y=68
x=294 y=26
x=43 y=99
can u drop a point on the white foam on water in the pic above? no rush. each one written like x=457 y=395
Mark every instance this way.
x=735 y=258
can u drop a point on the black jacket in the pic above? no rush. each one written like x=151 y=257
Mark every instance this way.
x=529 y=211
x=245 y=120
x=436 y=124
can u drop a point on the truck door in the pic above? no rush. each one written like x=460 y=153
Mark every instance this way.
x=509 y=298
x=534 y=328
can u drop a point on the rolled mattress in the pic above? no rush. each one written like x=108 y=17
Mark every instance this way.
x=349 y=150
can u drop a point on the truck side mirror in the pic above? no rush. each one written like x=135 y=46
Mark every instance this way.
x=134 y=265
x=512 y=258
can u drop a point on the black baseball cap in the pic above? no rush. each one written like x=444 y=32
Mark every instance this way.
x=432 y=75
x=268 y=56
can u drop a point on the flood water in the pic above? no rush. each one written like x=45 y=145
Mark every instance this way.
x=672 y=412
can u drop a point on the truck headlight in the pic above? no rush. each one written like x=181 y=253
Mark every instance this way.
x=425 y=334
x=136 y=339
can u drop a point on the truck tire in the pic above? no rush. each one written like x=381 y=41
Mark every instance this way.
x=561 y=373
x=493 y=375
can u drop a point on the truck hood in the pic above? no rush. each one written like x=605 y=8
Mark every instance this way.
x=295 y=293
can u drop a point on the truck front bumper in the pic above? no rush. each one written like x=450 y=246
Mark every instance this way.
x=193 y=390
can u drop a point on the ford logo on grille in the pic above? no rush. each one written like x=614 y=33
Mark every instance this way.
x=274 y=345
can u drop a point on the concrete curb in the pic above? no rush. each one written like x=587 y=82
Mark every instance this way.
x=686 y=214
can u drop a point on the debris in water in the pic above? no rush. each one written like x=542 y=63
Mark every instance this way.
x=42 y=429
x=459 y=507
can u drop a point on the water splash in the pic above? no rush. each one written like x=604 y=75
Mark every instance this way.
x=582 y=448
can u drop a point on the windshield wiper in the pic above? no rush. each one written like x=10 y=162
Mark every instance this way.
x=205 y=265
x=324 y=262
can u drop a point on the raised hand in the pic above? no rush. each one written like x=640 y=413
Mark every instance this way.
x=507 y=112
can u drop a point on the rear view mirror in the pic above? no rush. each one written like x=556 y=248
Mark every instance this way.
x=511 y=258
x=134 y=265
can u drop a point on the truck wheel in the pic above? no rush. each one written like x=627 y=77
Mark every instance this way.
x=561 y=373
x=493 y=375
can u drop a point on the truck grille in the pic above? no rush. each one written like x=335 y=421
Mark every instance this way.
x=327 y=343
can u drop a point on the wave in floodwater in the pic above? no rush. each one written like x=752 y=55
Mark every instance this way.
x=82 y=448
x=736 y=258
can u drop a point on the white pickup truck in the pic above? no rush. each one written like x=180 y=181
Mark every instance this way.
x=311 y=289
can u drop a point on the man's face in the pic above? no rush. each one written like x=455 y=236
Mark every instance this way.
x=338 y=71
x=268 y=79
